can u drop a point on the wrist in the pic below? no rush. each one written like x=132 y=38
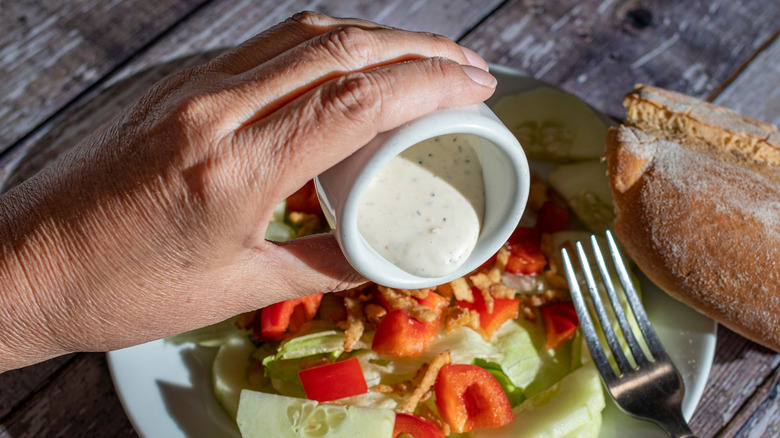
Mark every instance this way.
x=26 y=267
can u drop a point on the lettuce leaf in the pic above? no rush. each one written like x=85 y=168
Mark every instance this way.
x=527 y=364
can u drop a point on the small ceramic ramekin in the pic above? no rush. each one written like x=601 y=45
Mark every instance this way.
x=506 y=180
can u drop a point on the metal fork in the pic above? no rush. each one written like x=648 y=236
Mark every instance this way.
x=649 y=388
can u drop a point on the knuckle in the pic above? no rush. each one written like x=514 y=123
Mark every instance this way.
x=190 y=108
x=439 y=66
x=350 y=44
x=357 y=96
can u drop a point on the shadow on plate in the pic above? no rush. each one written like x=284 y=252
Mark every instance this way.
x=194 y=408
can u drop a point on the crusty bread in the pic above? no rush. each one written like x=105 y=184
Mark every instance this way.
x=697 y=197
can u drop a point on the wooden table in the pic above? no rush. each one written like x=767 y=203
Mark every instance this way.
x=68 y=66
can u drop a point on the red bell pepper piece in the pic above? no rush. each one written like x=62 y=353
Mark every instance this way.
x=279 y=319
x=552 y=217
x=469 y=397
x=415 y=426
x=560 y=322
x=525 y=252
x=305 y=200
x=334 y=380
x=504 y=309
x=400 y=335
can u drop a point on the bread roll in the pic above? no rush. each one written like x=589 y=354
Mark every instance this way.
x=697 y=198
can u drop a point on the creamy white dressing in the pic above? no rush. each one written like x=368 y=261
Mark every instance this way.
x=424 y=209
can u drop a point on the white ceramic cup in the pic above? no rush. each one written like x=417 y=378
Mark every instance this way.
x=506 y=181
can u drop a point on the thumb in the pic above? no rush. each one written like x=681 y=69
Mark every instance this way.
x=311 y=264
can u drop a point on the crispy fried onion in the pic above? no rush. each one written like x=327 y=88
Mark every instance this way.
x=357 y=320
x=458 y=289
x=458 y=317
x=424 y=380
x=404 y=299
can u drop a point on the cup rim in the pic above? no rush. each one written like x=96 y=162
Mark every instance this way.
x=366 y=260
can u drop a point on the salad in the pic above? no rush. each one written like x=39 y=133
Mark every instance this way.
x=496 y=353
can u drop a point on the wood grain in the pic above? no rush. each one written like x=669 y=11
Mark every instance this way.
x=221 y=25
x=51 y=51
x=761 y=416
x=81 y=402
x=600 y=49
x=198 y=38
x=739 y=368
x=756 y=91
x=18 y=385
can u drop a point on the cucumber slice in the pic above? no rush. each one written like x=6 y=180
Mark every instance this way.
x=585 y=188
x=553 y=125
x=262 y=415
x=231 y=372
x=279 y=232
x=278 y=214
x=570 y=408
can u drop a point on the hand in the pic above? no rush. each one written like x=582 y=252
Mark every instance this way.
x=155 y=224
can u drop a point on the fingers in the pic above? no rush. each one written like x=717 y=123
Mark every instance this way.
x=268 y=44
x=273 y=84
x=330 y=122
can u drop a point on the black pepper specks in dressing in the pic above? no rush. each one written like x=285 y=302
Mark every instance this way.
x=424 y=209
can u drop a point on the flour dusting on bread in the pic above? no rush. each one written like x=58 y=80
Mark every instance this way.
x=697 y=194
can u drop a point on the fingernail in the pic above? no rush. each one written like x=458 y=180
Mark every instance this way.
x=479 y=76
x=473 y=58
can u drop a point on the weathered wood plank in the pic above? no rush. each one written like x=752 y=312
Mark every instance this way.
x=17 y=385
x=51 y=51
x=211 y=29
x=739 y=368
x=219 y=26
x=761 y=417
x=756 y=91
x=598 y=49
x=81 y=402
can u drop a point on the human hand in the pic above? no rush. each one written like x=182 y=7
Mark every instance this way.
x=155 y=224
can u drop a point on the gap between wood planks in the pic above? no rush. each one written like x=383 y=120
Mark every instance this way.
x=476 y=25
x=740 y=68
x=761 y=397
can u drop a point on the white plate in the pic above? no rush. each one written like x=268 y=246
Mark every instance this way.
x=166 y=389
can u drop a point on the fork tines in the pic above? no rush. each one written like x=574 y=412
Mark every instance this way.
x=589 y=330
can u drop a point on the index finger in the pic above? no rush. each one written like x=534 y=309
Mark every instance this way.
x=328 y=123
x=282 y=37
